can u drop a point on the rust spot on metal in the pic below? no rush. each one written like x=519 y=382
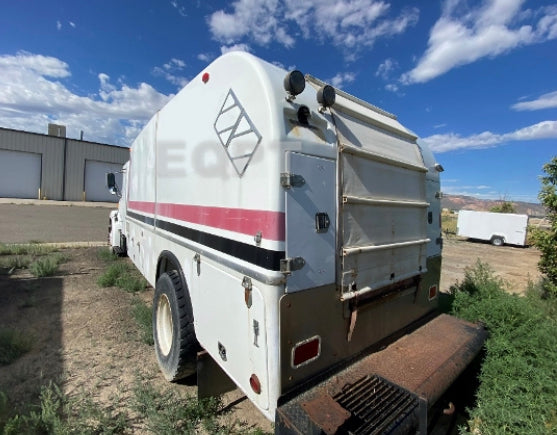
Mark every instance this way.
x=326 y=413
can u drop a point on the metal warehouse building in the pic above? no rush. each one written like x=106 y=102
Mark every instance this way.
x=52 y=166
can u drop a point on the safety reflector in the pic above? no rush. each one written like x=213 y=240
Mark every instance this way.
x=255 y=384
x=432 y=292
x=306 y=351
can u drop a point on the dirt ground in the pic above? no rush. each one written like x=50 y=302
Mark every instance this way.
x=86 y=340
x=516 y=265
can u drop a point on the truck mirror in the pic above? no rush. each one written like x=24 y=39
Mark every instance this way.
x=110 y=180
x=112 y=186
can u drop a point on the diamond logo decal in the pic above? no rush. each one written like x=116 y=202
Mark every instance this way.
x=237 y=133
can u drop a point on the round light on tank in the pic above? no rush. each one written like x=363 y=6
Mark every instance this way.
x=205 y=77
x=294 y=84
x=326 y=96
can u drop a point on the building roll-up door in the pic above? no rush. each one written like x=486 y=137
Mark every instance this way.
x=20 y=174
x=95 y=180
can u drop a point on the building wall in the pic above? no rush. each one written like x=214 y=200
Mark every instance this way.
x=80 y=151
x=62 y=160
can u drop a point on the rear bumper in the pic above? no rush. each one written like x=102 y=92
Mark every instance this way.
x=388 y=391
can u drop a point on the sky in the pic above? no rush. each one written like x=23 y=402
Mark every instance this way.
x=475 y=80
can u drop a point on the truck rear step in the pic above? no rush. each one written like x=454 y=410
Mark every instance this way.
x=387 y=392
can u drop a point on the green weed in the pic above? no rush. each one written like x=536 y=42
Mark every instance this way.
x=46 y=266
x=114 y=271
x=10 y=263
x=120 y=275
x=106 y=255
x=166 y=413
x=13 y=344
x=59 y=414
x=25 y=249
x=518 y=378
x=143 y=316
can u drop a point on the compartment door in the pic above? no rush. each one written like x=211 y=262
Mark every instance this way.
x=310 y=192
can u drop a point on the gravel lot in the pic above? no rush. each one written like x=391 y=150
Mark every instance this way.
x=53 y=221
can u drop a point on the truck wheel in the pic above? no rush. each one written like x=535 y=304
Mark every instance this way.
x=173 y=331
x=497 y=241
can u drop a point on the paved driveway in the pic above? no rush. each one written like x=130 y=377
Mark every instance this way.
x=53 y=221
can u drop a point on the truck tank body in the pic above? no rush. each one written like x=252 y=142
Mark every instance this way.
x=306 y=235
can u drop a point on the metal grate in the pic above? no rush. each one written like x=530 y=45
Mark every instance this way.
x=377 y=407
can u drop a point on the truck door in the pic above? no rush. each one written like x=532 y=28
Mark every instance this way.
x=310 y=192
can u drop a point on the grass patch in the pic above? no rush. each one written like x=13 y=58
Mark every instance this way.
x=106 y=255
x=47 y=266
x=109 y=277
x=143 y=317
x=13 y=344
x=166 y=413
x=518 y=379
x=34 y=249
x=59 y=414
x=120 y=274
x=8 y=264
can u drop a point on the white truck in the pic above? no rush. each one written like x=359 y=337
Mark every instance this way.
x=497 y=228
x=290 y=231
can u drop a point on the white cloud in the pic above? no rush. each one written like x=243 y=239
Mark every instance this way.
x=392 y=87
x=350 y=24
x=181 y=10
x=171 y=72
x=449 y=142
x=205 y=57
x=58 y=25
x=236 y=47
x=32 y=95
x=72 y=24
x=342 y=79
x=386 y=68
x=546 y=101
x=462 y=36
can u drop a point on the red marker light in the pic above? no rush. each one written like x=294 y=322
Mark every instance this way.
x=205 y=77
x=432 y=292
x=255 y=384
x=306 y=351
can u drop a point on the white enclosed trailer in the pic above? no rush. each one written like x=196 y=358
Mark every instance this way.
x=288 y=228
x=497 y=228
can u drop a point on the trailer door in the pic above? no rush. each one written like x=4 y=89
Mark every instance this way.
x=310 y=194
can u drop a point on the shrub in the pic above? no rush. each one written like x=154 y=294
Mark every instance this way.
x=518 y=378
x=46 y=266
x=119 y=274
x=109 y=277
x=546 y=241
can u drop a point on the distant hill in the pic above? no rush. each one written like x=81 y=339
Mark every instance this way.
x=459 y=202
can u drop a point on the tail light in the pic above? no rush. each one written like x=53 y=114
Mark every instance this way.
x=432 y=292
x=306 y=351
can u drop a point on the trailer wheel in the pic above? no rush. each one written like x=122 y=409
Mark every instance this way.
x=497 y=241
x=173 y=331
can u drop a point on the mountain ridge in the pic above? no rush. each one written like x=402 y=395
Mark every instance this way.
x=462 y=202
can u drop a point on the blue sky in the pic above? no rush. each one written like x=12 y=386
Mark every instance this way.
x=476 y=80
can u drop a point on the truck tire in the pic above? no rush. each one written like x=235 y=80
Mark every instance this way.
x=497 y=241
x=173 y=331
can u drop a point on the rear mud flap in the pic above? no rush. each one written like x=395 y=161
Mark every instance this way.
x=387 y=392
